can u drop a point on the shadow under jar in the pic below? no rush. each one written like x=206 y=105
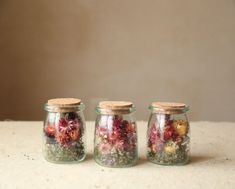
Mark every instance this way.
x=64 y=131
x=168 y=134
x=115 y=134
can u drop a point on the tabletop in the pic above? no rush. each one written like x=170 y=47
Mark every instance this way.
x=22 y=165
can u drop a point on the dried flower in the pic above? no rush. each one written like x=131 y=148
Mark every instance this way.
x=74 y=134
x=63 y=138
x=168 y=144
x=154 y=134
x=105 y=148
x=181 y=127
x=50 y=130
x=170 y=149
x=117 y=142
x=169 y=133
x=68 y=130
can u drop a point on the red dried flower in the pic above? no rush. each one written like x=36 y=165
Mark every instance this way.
x=124 y=124
x=50 y=130
x=122 y=134
x=68 y=131
x=158 y=136
x=117 y=122
x=63 y=122
x=170 y=133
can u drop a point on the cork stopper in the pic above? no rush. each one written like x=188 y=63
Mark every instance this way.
x=63 y=101
x=115 y=105
x=64 y=105
x=168 y=105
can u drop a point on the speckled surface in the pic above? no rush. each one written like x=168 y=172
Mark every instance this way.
x=22 y=165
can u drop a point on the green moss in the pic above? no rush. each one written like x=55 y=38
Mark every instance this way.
x=58 y=153
x=116 y=158
x=180 y=157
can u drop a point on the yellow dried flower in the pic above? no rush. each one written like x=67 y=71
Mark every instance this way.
x=170 y=149
x=181 y=127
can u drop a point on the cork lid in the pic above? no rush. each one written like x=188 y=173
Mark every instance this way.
x=115 y=104
x=64 y=105
x=115 y=107
x=169 y=107
x=64 y=101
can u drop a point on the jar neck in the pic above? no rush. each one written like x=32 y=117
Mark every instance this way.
x=64 y=108
x=169 y=110
x=117 y=111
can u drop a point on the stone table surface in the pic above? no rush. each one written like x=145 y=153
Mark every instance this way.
x=212 y=162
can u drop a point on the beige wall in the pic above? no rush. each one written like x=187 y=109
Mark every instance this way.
x=131 y=50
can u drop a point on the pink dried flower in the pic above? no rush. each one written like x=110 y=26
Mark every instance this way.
x=154 y=134
x=122 y=134
x=68 y=131
x=105 y=148
x=102 y=131
x=119 y=144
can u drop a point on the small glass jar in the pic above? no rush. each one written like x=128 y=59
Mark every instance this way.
x=168 y=134
x=115 y=134
x=64 y=131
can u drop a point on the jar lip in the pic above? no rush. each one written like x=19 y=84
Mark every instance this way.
x=169 y=107
x=64 y=108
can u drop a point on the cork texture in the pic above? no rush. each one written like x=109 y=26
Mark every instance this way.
x=168 y=105
x=115 y=104
x=64 y=101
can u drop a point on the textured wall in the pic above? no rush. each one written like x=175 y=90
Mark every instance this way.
x=131 y=50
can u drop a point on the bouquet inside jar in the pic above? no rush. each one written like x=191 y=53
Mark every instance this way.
x=64 y=136
x=168 y=135
x=115 y=140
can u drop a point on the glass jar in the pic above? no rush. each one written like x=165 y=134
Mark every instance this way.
x=115 y=134
x=168 y=134
x=64 y=131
